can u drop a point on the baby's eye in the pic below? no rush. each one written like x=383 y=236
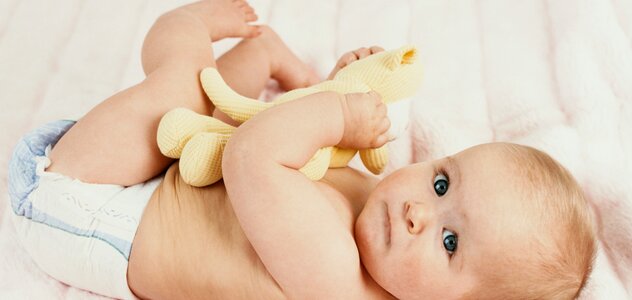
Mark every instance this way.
x=450 y=241
x=441 y=184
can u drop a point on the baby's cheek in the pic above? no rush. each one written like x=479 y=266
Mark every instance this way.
x=412 y=279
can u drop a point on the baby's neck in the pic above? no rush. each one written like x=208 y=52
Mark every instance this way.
x=354 y=185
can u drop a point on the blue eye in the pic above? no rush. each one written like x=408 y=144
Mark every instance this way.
x=450 y=241
x=441 y=185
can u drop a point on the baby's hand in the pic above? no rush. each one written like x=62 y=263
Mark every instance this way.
x=365 y=120
x=352 y=56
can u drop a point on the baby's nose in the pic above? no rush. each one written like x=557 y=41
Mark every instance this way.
x=416 y=216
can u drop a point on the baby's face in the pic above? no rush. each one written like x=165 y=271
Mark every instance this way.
x=431 y=230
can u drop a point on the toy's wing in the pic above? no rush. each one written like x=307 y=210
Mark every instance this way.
x=317 y=166
x=201 y=162
x=180 y=124
x=343 y=87
x=375 y=160
x=236 y=106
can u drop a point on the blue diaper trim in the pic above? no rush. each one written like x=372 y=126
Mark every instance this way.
x=22 y=180
x=122 y=246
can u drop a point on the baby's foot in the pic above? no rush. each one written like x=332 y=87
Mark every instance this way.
x=228 y=18
x=286 y=67
x=352 y=56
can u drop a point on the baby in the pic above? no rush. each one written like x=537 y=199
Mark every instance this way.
x=495 y=221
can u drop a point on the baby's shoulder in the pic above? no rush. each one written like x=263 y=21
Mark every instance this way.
x=352 y=184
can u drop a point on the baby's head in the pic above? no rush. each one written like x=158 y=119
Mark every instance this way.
x=496 y=221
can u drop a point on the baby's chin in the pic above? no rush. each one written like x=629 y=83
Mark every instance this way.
x=368 y=255
x=371 y=234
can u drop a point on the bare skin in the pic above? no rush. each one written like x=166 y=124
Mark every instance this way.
x=189 y=243
x=335 y=238
x=121 y=131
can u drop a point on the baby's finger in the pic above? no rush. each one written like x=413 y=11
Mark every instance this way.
x=376 y=49
x=384 y=126
x=362 y=52
x=376 y=95
x=379 y=141
x=346 y=59
x=381 y=110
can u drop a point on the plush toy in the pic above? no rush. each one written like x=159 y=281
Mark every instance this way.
x=198 y=141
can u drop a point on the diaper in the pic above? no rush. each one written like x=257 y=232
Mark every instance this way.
x=79 y=233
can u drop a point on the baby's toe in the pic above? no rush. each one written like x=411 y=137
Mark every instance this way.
x=251 y=17
x=246 y=10
x=250 y=31
x=245 y=7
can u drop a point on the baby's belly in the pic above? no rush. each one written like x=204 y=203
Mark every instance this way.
x=190 y=245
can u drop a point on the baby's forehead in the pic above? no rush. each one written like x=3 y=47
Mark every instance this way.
x=500 y=152
x=492 y=193
x=493 y=168
x=487 y=167
x=508 y=192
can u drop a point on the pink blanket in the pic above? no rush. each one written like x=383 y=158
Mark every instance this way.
x=556 y=75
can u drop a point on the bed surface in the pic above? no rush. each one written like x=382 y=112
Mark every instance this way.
x=555 y=75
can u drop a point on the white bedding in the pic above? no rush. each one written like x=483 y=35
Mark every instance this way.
x=556 y=75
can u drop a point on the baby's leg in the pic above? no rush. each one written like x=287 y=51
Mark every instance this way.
x=115 y=142
x=238 y=66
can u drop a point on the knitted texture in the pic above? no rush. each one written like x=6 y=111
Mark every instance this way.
x=317 y=166
x=394 y=74
x=178 y=126
x=375 y=160
x=201 y=161
x=236 y=106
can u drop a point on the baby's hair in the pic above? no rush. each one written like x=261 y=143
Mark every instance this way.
x=565 y=249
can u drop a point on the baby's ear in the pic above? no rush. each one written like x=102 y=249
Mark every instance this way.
x=403 y=56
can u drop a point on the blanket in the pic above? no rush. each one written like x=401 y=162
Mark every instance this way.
x=552 y=74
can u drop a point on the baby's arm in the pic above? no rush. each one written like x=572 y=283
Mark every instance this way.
x=293 y=228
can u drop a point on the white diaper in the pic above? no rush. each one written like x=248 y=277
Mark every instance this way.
x=79 y=233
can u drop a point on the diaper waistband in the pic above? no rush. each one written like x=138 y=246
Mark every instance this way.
x=29 y=154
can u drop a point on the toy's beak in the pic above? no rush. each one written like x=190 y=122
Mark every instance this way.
x=409 y=56
x=404 y=56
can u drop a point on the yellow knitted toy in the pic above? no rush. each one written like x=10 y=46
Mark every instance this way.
x=198 y=141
